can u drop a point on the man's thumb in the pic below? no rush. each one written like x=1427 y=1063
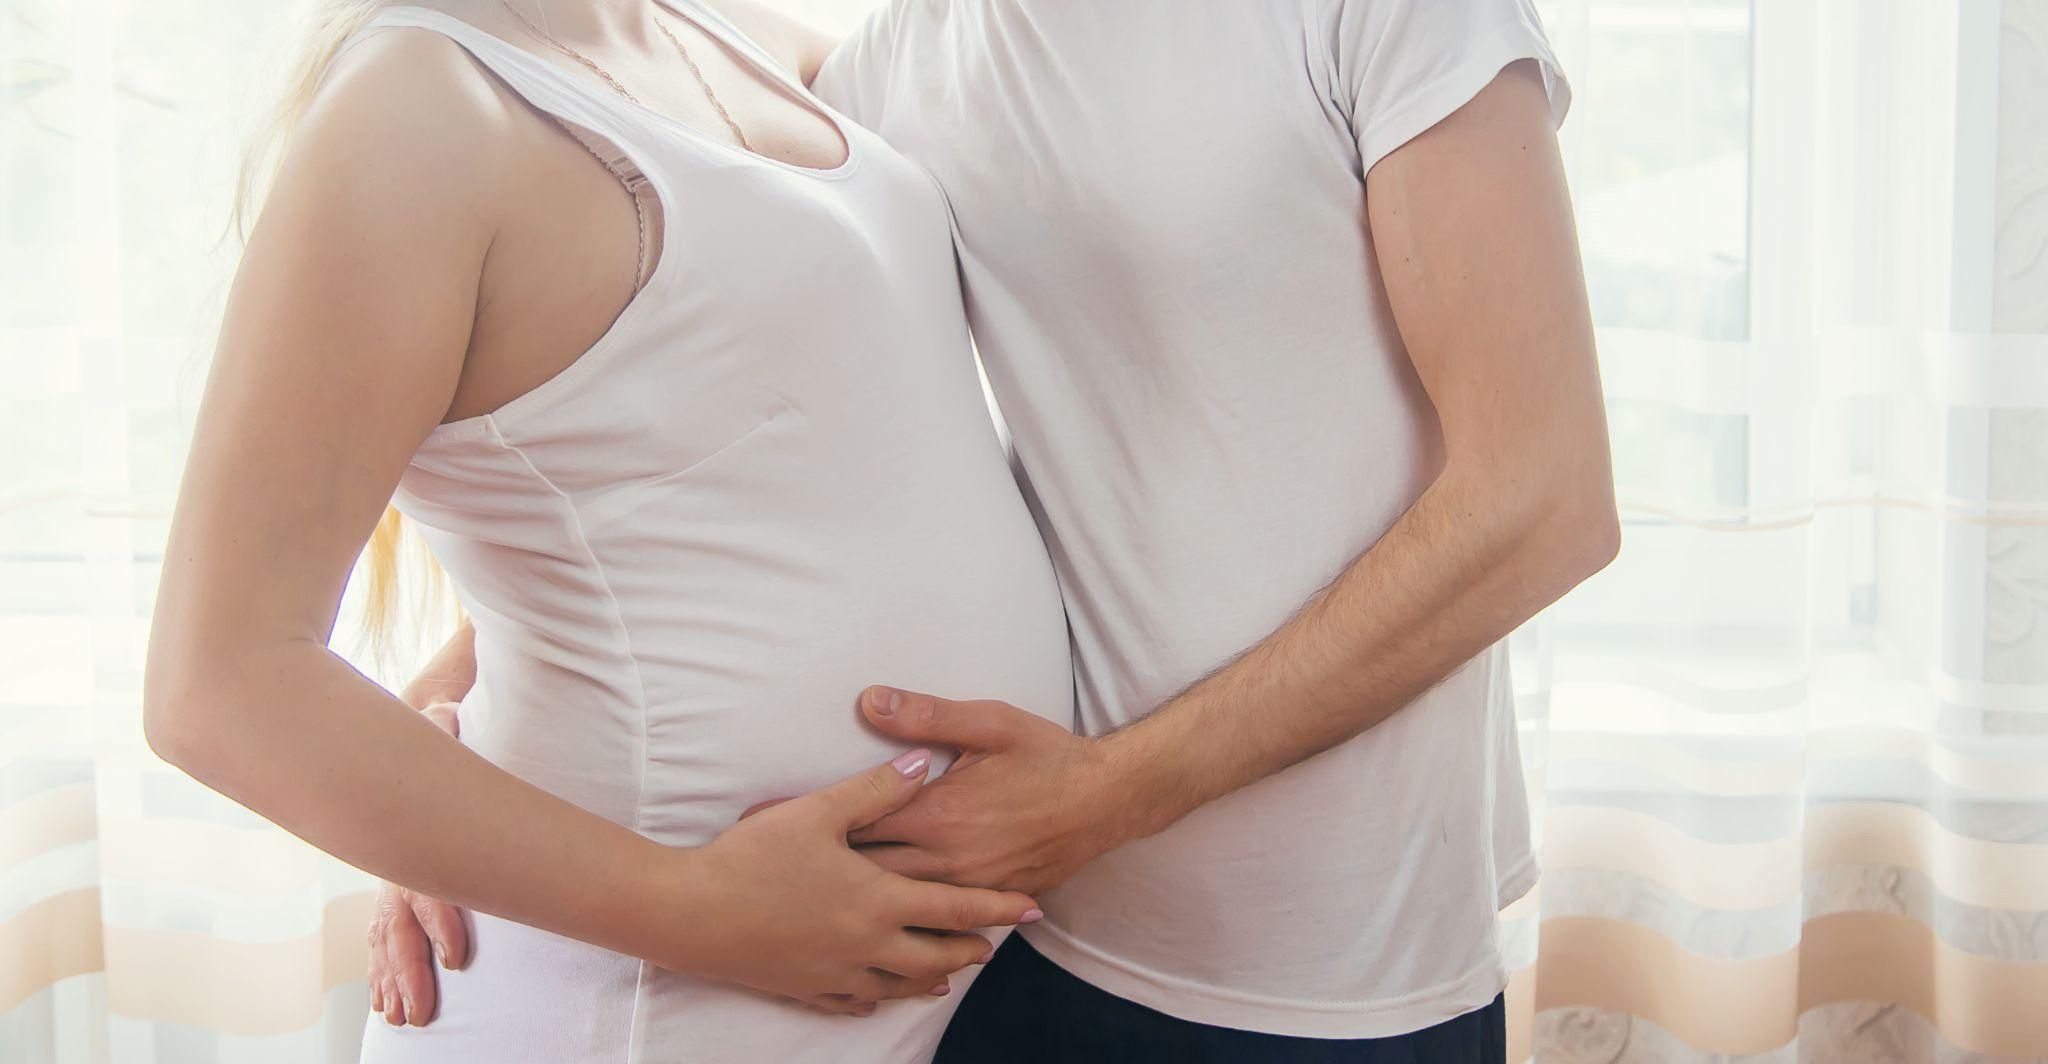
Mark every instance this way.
x=920 y=718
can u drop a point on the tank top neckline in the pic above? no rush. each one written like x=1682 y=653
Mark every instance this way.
x=713 y=25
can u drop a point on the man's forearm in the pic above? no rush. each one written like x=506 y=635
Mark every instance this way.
x=1458 y=572
x=1473 y=232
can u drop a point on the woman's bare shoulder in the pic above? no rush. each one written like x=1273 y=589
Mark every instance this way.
x=405 y=151
x=414 y=84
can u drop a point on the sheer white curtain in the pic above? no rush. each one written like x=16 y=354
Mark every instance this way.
x=1791 y=751
x=1791 y=746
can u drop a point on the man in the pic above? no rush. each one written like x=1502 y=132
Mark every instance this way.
x=1283 y=307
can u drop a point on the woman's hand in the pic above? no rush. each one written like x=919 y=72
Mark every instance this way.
x=410 y=931
x=781 y=903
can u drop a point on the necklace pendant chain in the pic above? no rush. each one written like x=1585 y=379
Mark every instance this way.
x=606 y=76
x=716 y=104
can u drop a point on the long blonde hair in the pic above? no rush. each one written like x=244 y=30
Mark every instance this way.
x=331 y=23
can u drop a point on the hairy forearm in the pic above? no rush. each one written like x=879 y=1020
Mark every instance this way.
x=1458 y=572
x=289 y=730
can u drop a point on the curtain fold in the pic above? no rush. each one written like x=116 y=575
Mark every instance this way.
x=1791 y=747
x=1788 y=755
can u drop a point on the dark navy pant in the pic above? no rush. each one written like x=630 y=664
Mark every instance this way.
x=1026 y=1009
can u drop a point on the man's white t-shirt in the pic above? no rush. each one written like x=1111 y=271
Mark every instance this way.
x=1160 y=209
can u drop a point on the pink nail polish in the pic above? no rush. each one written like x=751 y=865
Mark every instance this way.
x=1031 y=916
x=913 y=764
x=940 y=990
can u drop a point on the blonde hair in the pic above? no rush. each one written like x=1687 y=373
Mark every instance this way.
x=330 y=25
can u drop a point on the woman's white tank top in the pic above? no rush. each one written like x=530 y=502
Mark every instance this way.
x=771 y=483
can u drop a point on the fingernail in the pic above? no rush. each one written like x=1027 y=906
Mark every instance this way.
x=940 y=990
x=884 y=700
x=987 y=955
x=441 y=951
x=913 y=763
x=1031 y=916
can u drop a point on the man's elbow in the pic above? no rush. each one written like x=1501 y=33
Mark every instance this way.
x=1580 y=530
x=1594 y=537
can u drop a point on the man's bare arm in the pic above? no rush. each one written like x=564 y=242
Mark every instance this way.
x=1476 y=243
x=1475 y=239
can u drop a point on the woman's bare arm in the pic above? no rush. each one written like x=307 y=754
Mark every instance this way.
x=345 y=337
x=343 y=342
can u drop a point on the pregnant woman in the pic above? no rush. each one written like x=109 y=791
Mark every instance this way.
x=668 y=364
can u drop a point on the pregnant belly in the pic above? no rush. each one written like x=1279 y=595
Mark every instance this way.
x=731 y=717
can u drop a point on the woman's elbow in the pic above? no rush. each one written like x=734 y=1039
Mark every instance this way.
x=166 y=723
x=179 y=708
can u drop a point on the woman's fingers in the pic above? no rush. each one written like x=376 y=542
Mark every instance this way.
x=942 y=907
x=862 y=799
x=444 y=929
x=878 y=985
x=928 y=958
x=760 y=807
x=841 y=1005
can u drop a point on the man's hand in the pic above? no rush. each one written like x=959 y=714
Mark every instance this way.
x=409 y=931
x=1025 y=806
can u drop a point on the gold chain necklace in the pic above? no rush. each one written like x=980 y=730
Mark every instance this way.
x=606 y=75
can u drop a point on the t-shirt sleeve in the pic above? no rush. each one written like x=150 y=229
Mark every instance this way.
x=1402 y=66
x=853 y=79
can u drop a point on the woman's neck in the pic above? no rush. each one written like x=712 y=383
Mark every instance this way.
x=593 y=22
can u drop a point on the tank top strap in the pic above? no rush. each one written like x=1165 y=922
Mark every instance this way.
x=609 y=129
x=552 y=90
